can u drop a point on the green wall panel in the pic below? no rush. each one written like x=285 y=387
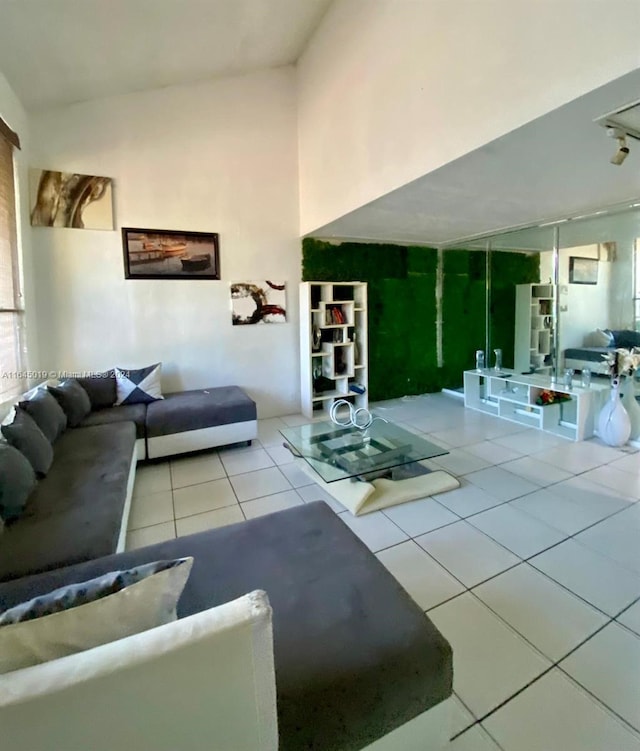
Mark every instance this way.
x=402 y=307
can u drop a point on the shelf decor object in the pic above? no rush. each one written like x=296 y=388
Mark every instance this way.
x=546 y=396
x=333 y=342
x=614 y=426
x=614 y=423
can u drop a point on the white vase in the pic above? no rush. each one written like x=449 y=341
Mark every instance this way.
x=614 y=426
x=633 y=408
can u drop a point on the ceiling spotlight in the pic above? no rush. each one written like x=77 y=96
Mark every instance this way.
x=623 y=150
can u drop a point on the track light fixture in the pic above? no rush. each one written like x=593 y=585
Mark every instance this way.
x=623 y=150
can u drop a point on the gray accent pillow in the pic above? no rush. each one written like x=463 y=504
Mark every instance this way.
x=17 y=480
x=26 y=436
x=47 y=413
x=73 y=399
x=101 y=388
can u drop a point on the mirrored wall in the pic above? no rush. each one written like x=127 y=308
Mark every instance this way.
x=588 y=284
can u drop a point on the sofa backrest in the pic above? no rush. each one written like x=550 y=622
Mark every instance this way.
x=204 y=681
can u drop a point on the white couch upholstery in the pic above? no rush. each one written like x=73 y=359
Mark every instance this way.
x=206 y=681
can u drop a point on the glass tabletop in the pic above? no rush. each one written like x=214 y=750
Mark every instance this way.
x=337 y=453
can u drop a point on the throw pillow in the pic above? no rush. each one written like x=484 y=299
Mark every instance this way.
x=138 y=386
x=626 y=338
x=17 y=480
x=26 y=436
x=47 y=413
x=73 y=399
x=101 y=389
x=80 y=616
x=601 y=338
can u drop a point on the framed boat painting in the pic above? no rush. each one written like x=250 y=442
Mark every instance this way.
x=170 y=254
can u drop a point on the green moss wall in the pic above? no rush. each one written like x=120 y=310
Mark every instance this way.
x=402 y=308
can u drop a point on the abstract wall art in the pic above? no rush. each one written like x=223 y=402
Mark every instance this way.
x=66 y=199
x=258 y=302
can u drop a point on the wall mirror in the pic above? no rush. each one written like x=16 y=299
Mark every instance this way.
x=525 y=341
x=588 y=284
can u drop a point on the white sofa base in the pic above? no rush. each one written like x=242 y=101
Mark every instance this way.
x=429 y=731
x=203 y=682
x=141 y=449
x=204 y=438
x=122 y=537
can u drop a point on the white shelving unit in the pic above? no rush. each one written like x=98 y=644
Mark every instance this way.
x=333 y=345
x=513 y=396
x=534 y=333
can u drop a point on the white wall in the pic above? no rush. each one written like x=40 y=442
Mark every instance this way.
x=13 y=113
x=217 y=156
x=390 y=90
x=583 y=307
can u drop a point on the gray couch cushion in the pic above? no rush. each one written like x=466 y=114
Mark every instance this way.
x=73 y=399
x=134 y=413
x=355 y=657
x=47 y=414
x=75 y=513
x=101 y=388
x=204 y=408
x=17 y=480
x=26 y=436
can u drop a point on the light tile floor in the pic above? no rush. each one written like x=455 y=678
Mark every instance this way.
x=531 y=569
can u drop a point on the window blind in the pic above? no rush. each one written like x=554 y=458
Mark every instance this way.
x=12 y=381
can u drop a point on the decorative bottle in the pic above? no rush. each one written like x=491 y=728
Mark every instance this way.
x=614 y=426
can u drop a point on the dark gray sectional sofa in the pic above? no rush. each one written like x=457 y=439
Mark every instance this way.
x=79 y=511
x=355 y=657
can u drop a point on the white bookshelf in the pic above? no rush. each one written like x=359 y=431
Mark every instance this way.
x=336 y=314
x=534 y=332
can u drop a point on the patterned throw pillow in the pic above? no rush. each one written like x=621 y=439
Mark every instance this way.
x=80 y=616
x=138 y=386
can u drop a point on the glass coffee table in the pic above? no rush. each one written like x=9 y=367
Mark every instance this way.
x=381 y=450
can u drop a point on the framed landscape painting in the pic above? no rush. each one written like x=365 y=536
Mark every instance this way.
x=170 y=254
x=583 y=270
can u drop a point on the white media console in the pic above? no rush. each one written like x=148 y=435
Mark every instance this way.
x=513 y=397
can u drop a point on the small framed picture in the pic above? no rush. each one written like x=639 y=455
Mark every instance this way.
x=169 y=254
x=583 y=270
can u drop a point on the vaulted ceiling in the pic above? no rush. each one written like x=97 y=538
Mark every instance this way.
x=57 y=52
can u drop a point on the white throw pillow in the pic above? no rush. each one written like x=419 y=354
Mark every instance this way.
x=138 y=386
x=600 y=338
x=80 y=616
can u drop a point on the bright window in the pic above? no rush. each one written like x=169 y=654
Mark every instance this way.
x=11 y=310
